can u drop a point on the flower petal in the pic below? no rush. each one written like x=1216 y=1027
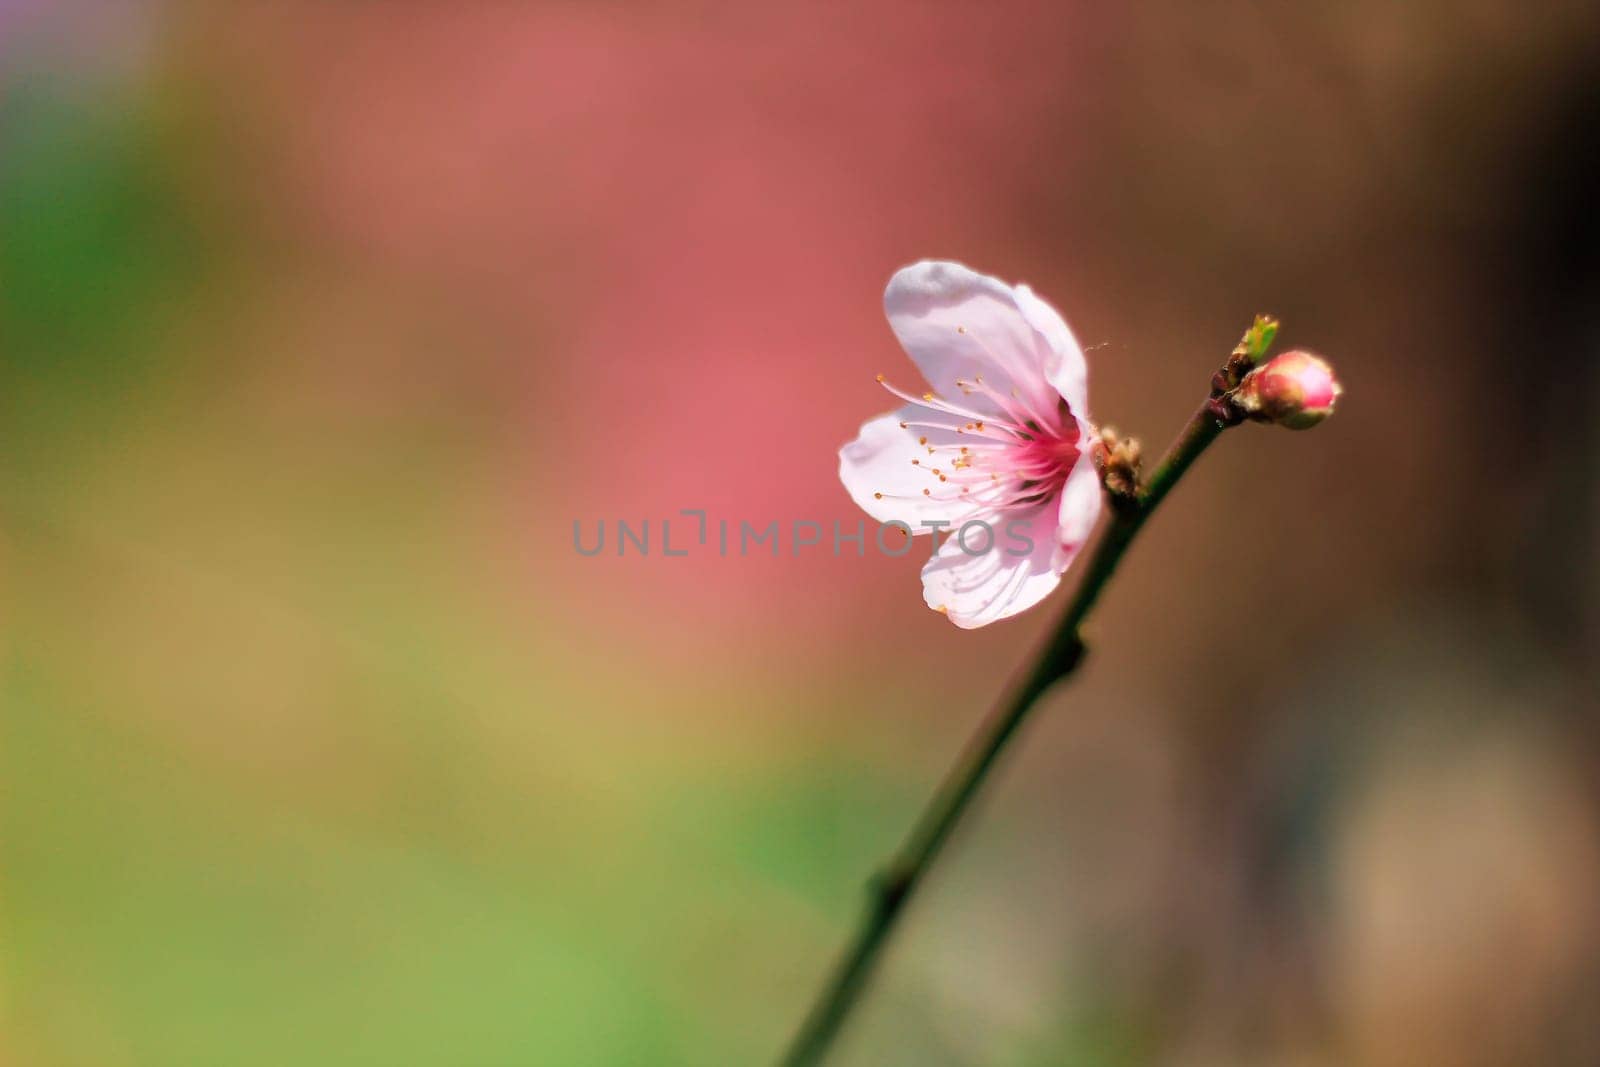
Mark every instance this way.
x=878 y=473
x=1081 y=501
x=958 y=324
x=975 y=590
x=1065 y=367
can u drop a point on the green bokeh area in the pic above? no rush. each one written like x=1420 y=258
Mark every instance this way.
x=95 y=244
x=164 y=908
x=419 y=865
x=149 y=923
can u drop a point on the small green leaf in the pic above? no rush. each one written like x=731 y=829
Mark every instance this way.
x=1259 y=337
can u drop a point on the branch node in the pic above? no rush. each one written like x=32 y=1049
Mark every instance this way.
x=1119 y=462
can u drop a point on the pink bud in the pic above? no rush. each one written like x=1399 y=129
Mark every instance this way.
x=1296 y=390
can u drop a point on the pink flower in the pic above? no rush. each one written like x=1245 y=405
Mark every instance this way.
x=1296 y=389
x=1000 y=448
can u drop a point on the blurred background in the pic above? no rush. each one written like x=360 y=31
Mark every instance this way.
x=322 y=324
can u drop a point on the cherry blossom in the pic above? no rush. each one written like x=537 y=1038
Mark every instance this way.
x=997 y=452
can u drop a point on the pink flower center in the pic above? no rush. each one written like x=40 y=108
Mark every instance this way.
x=1014 y=459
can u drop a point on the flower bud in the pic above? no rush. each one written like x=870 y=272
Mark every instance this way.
x=1296 y=390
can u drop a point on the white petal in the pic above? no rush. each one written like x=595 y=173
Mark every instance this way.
x=878 y=461
x=957 y=324
x=977 y=590
x=1065 y=367
x=1081 y=501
